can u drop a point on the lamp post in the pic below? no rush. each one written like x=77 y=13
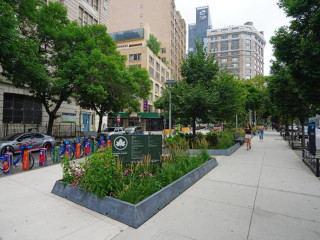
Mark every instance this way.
x=170 y=83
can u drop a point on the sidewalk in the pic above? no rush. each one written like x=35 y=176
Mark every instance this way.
x=263 y=193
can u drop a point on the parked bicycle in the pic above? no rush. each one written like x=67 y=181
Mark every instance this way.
x=23 y=148
x=65 y=149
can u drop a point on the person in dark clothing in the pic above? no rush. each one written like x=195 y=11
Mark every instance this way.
x=248 y=135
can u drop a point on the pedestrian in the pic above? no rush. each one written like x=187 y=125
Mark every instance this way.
x=261 y=132
x=248 y=135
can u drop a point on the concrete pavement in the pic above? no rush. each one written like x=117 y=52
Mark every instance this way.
x=263 y=193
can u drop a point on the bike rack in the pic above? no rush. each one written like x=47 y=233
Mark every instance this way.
x=43 y=157
x=8 y=164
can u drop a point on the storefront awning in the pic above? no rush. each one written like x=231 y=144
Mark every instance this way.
x=148 y=115
x=114 y=115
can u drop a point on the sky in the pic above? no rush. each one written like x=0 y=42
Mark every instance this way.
x=265 y=15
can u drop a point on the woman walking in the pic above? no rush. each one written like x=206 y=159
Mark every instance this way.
x=261 y=131
x=248 y=135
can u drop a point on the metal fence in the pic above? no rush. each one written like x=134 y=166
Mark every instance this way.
x=59 y=131
x=311 y=161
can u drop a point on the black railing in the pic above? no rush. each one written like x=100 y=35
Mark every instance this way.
x=311 y=161
x=59 y=131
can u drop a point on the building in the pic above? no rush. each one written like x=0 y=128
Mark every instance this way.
x=165 y=22
x=198 y=30
x=87 y=12
x=238 y=49
x=133 y=44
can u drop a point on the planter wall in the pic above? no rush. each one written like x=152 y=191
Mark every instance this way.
x=212 y=152
x=133 y=215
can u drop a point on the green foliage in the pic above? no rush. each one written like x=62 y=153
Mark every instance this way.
x=153 y=44
x=225 y=140
x=104 y=175
x=298 y=47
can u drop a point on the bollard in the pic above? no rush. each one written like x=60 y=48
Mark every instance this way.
x=43 y=157
x=56 y=154
x=25 y=160
x=8 y=164
x=87 y=149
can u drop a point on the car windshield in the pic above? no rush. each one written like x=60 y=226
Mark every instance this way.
x=109 y=130
x=129 y=129
x=10 y=137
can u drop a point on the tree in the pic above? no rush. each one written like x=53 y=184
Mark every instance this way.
x=298 y=46
x=153 y=44
x=285 y=96
x=203 y=94
x=45 y=53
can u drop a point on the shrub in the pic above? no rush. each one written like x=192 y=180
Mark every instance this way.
x=212 y=138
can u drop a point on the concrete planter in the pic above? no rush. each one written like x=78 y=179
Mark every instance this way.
x=212 y=152
x=133 y=215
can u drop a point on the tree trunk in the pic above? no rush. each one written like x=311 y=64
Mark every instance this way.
x=50 y=124
x=292 y=135
x=100 y=122
x=194 y=127
x=303 y=141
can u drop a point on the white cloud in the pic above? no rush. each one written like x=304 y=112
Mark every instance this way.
x=265 y=15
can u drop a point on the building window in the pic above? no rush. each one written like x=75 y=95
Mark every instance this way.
x=248 y=35
x=135 y=57
x=214 y=44
x=214 y=49
x=248 y=59
x=236 y=70
x=21 y=109
x=163 y=50
x=235 y=28
x=151 y=60
x=248 y=77
x=164 y=60
x=234 y=65
x=85 y=18
x=224 y=43
x=157 y=75
x=236 y=76
x=214 y=38
x=224 y=48
x=95 y=4
x=235 y=35
x=235 y=42
x=141 y=15
x=151 y=71
x=248 y=64
x=224 y=37
x=248 y=41
x=141 y=7
x=224 y=60
x=224 y=65
x=235 y=53
x=162 y=79
x=141 y=25
x=224 y=54
x=248 y=47
x=234 y=47
x=248 y=70
x=156 y=89
x=248 y=53
x=80 y=16
x=235 y=59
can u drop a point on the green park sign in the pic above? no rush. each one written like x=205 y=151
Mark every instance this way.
x=132 y=148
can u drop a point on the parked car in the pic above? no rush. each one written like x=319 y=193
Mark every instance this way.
x=299 y=132
x=109 y=131
x=133 y=130
x=12 y=143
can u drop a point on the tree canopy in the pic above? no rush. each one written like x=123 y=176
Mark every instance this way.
x=154 y=44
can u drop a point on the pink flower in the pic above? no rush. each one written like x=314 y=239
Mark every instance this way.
x=115 y=180
x=151 y=175
x=89 y=186
x=130 y=170
x=125 y=172
x=141 y=175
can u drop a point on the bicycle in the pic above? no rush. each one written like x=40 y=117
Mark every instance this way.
x=23 y=147
x=84 y=149
x=64 y=150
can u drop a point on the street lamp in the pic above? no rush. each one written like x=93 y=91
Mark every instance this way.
x=170 y=83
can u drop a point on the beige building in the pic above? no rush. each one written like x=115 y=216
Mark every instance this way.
x=86 y=12
x=165 y=22
x=238 y=49
x=133 y=45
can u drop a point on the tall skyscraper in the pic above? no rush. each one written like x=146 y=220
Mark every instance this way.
x=164 y=21
x=198 y=30
x=238 y=49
